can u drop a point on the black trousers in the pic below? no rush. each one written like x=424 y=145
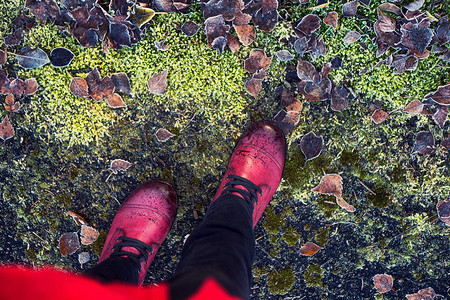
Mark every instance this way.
x=221 y=247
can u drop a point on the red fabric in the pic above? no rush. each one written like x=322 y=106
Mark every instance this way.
x=52 y=284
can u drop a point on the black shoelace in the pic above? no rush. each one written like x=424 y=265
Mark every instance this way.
x=250 y=194
x=137 y=244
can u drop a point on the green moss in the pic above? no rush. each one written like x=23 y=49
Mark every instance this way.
x=63 y=199
x=349 y=158
x=327 y=205
x=31 y=255
x=397 y=174
x=322 y=237
x=97 y=246
x=272 y=222
x=382 y=197
x=291 y=236
x=313 y=275
x=280 y=281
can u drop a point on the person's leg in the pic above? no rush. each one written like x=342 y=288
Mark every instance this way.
x=223 y=245
x=137 y=231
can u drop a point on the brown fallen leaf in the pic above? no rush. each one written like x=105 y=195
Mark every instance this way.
x=79 y=220
x=163 y=134
x=253 y=86
x=246 y=33
x=119 y=165
x=311 y=145
x=287 y=120
x=414 y=107
x=88 y=235
x=425 y=143
x=330 y=184
x=383 y=283
x=6 y=129
x=351 y=37
x=423 y=294
x=309 y=249
x=443 y=210
x=30 y=86
x=115 y=101
x=69 y=243
x=379 y=116
x=342 y=203
x=83 y=258
x=157 y=84
x=79 y=87
x=331 y=19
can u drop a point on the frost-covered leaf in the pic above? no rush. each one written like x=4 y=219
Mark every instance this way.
x=315 y=92
x=287 y=99
x=69 y=243
x=383 y=283
x=6 y=129
x=17 y=87
x=115 y=101
x=88 y=235
x=424 y=294
x=30 y=86
x=190 y=28
x=339 y=98
x=157 y=83
x=351 y=37
x=163 y=134
x=443 y=210
x=253 y=86
x=121 y=83
x=343 y=204
x=307 y=72
x=284 y=55
x=309 y=249
x=330 y=184
x=385 y=23
x=286 y=121
x=311 y=145
x=119 y=165
x=246 y=33
x=265 y=15
x=141 y=15
x=415 y=5
x=309 y=24
x=442 y=35
x=215 y=27
x=424 y=143
x=61 y=57
x=79 y=220
x=442 y=95
x=220 y=43
x=233 y=43
x=349 y=8
x=226 y=8
x=440 y=116
x=10 y=104
x=79 y=87
x=379 y=116
x=416 y=36
x=32 y=59
x=104 y=89
x=3 y=57
x=331 y=19
x=119 y=35
x=301 y=46
x=257 y=61
x=390 y=7
x=83 y=258
x=414 y=107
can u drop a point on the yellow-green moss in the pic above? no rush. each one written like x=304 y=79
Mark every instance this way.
x=313 y=275
x=280 y=281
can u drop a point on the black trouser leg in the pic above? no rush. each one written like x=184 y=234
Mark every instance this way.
x=116 y=268
x=221 y=247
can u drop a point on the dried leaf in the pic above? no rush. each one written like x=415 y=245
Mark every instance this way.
x=115 y=101
x=121 y=83
x=442 y=35
x=349 y=8
x=141 y=15
x=336 y=62
x=342 y=203
x=424 y=294
x=383 y=283
x=257 y=61
x=233 y=43
x=215 y=27
x=104 y=89
x=79 y=87
x=440 y=116
x=442 y=95
x=265 y=15
x=311 y=145
x=3 y=57
x=227 y=8
x=391 y=8
x=307 y=72
x=69 y=243
x=414 y=107
x=330 y=184
x=309 y=24
x=6 y=129
x=443 y=210
x=10 y=99
x=385 y=23
x=79 y=220
x=309 y=249
x=416 y=36
x=30 y=86
x=163 y=134
x=416 y=5
x=190 y=28
x=83 y=258
x=246 y=33
x=339 y=96
x=88 y=235
x=32 y=59
x=119 y=165
x=284 y=55
x=17 y=87
x=157 y=84
x=61 y=57
x=315 y=92
x=301 y=46
x=253 y=86
x=220 y=43
x=379 y=116
x=424 y=143
x=288 y=100
x=286 y=121
x=119 y=35
x=331 y=19
x=351 y=37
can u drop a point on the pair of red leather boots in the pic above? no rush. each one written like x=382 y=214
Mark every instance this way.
x=142 y=223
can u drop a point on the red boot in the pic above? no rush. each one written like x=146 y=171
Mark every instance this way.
x=141 y=224
x=255 y=167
